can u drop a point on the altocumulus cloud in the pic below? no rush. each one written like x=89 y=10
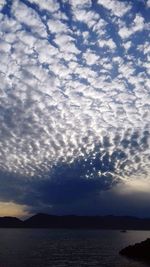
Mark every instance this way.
x=74 y=101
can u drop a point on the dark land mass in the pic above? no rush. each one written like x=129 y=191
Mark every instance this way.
x=80 y=222
x=10 y=222
x=138 y=251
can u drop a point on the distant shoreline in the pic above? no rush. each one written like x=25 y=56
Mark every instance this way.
x=108 y=222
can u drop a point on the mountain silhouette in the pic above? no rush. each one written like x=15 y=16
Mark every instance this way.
x=10 y=222
x=42 y=220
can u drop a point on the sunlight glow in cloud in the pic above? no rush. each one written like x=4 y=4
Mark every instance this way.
x=12 y=209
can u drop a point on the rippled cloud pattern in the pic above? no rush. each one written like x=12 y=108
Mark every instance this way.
x=74 y=97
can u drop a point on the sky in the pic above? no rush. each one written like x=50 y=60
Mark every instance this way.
x=74 y=107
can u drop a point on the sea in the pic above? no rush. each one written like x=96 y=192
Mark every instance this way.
x=72 y=248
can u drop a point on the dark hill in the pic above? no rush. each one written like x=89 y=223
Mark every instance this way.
x=95 y=222
x=72 y=221
x=11 y=222
x=140 y=251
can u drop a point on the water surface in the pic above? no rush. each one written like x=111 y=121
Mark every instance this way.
x=72 y=248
